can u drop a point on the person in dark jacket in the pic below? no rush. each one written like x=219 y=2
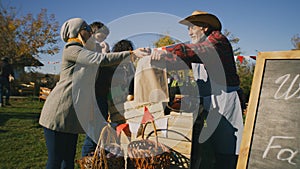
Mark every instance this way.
x=6 y=76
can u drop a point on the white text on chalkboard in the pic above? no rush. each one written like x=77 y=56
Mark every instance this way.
x=287 y=94
x=282 y=150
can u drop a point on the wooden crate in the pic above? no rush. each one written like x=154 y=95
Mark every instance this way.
x=44 y=92
x=179 y=122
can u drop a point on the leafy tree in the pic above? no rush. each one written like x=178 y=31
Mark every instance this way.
x=296 y=41
x=164 y=41
x=28 y=36
x=234 y=41
x=245 y=72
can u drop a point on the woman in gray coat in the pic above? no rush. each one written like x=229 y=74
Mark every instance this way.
x=58 y=117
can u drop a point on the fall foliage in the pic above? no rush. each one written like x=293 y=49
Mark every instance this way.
x=164 y=41
x=24 y=37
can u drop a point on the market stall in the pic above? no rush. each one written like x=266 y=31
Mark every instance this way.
x=151 y=98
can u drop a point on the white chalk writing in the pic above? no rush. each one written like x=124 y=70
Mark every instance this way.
x=287 y=94
x=282 y=151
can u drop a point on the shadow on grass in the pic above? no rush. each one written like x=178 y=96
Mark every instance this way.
x=3 y=131
x=4 y=117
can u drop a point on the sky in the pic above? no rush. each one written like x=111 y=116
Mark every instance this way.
x=261 y=25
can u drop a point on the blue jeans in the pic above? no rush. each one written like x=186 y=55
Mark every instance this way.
x=61 y=149
x=88 y=147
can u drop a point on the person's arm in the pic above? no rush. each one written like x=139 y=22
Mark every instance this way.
x=176 y=53
x=193 y=52
x=104 y=47
x=81 y=55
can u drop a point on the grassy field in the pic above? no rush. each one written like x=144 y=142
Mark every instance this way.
x=22 y=143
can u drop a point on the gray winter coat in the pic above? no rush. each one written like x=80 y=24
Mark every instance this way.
x=58 y=112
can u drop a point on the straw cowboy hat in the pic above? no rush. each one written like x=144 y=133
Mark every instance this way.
x=204 y=17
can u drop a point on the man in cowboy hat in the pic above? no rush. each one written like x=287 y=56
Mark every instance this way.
x=210 y=55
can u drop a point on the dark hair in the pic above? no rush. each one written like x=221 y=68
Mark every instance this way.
x=123 y=45
x=99 y=25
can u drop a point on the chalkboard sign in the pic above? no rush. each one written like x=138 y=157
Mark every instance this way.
x=271 y=138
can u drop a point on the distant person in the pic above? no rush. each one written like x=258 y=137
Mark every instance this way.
x=6 y=76
x=58 y=116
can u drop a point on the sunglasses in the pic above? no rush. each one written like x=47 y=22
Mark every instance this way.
x=86 y=28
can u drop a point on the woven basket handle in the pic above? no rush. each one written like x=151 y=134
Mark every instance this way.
x=110 y=135
x=189 y=140
x=155 y=132
x=107 y=135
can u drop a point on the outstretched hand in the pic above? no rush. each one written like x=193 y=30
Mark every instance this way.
x=158 y=54
x=105 y=47
x=141 y=52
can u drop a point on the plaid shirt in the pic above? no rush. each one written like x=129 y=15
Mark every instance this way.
x=216 y=44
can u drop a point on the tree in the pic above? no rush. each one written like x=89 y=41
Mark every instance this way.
x=27 y=36
x=164 y=41
x=296 y=41
x=245 y=72
x=234 y=41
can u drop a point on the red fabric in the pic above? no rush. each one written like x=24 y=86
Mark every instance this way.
x=123 y=127
x=147 y=116
x=240 y=58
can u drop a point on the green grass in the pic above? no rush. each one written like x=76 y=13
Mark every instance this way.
x=22 y=143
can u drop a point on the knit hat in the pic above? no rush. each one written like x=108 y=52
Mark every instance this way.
x=71 y=28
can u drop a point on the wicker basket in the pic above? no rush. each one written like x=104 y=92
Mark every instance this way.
x=108 y=154
x=148 y=154
x=178 y=161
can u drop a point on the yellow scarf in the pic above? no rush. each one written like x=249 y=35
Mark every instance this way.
x=75 y=40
